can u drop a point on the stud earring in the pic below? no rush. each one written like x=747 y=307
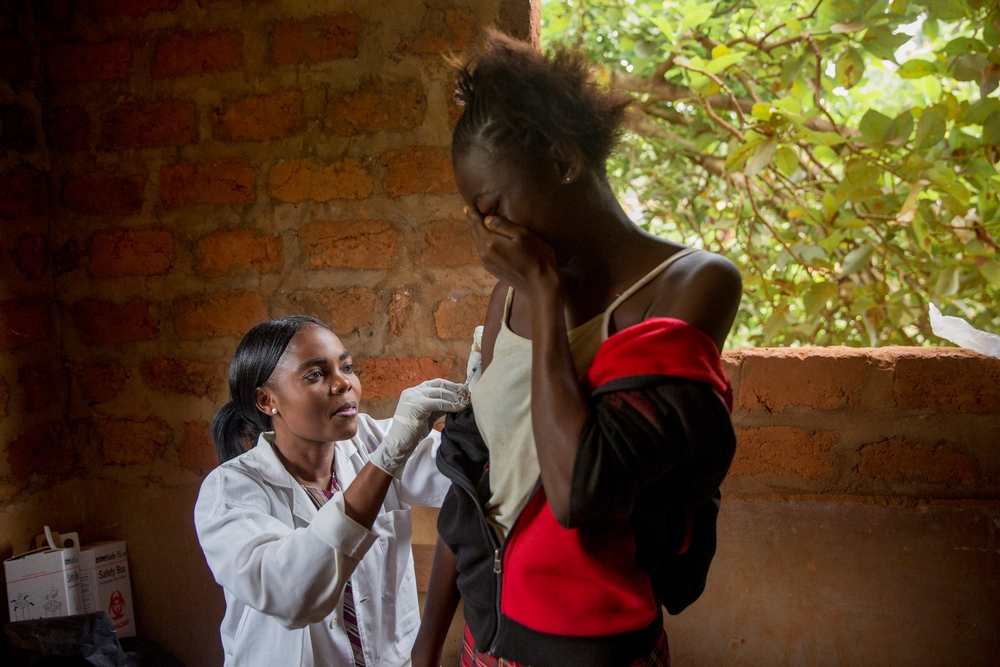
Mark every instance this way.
x=567 y=179
x=274 y=411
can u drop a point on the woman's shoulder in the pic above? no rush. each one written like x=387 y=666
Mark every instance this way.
x=703 y=289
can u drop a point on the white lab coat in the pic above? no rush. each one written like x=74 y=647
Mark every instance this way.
x=283 y=564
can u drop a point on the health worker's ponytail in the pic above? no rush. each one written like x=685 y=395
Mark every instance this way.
x=238 y=423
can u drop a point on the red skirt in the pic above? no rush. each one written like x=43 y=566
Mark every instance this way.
x=658 y=657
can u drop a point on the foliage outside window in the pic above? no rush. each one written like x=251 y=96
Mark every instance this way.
x=842 y=153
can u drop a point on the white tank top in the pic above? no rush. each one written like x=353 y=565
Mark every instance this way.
x=502 y=404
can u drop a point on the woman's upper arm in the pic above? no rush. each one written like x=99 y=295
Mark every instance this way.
x=494 y=318
x=704 y=292
x=252 y=553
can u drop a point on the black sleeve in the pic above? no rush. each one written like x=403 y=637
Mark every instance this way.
x=635 y=436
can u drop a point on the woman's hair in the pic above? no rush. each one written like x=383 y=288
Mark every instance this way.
x=237 y=424
x=519 y=100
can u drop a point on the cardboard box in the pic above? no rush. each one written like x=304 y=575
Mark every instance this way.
x=105 y=584
x=45 y=582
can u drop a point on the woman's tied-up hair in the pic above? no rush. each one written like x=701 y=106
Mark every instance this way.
x=238 y=423
x=521 y=101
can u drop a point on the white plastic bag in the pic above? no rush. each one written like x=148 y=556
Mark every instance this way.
x=963 y=334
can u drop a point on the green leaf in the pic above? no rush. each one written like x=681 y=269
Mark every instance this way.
x=991 y=271
x=850 y=68
x=979 y=110
x=916 y=68
x=946 y=10
x=696 y=17
x=816 y=297
x=719 y=64
x=989 y=80
x=810 y=252
x=930 y=128
x=969 y=67
x=902 y=128
x=857 y=259
x=761 y=157
x=875 y=128
x=882 y=42
x=964 y=45
x=786 y=161
x=991 y=129
x=909 y=208
x=948 y=281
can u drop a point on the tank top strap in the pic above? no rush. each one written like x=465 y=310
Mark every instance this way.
x=637 y=286
x=506 y=305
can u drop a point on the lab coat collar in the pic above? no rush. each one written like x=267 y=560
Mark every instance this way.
x=265 y=459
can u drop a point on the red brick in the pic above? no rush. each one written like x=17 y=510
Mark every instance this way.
x=131 y=7
x=419 y=170
x=104 y=193
x=102 y=383
x=386 y=377
x=449 y=244
x=211 y=51
x=149 y=125
x=455 y=317
x=17 y=128
x=399 y=311
x=200 y=378
x=24 y=321
x=822 y=379
x=261 y=118
x=40 y=385
x=377 y=106
x=108 y=323
x=69 y=128
x=44 y=450
x=216 y=315
x=442 y=31
x=316 y=39
x=15 y=58
x=132 y=442
x=223 y=251
x=899 y=461
x=22 y=193
x=67 y=257
x=31 y=255
x=197 y=450
x=131 y=253
x=345 y=311
x=221 y=182
x=85 y=61
x=783 y=451
x=360 y=244
x=298 y=180
x=947 y=380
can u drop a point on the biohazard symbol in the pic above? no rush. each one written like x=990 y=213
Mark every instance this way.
x=117 y=606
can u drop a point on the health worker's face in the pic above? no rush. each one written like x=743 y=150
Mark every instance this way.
x=314 y=389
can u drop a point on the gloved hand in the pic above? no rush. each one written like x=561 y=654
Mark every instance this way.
x=474 y=369
x=418 y=408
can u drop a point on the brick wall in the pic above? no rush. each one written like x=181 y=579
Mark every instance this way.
x=174 y=171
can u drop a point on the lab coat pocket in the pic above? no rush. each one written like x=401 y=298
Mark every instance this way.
x=395 y=531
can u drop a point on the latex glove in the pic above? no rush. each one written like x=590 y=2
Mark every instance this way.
x=418 y=408
x=474 y=368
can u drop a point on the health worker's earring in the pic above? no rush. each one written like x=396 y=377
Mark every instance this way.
x=567 y=179
x=274 y=411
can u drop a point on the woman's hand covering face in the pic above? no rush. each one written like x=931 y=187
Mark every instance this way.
x=513 y=253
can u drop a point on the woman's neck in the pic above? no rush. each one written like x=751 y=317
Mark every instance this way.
x=309 y=463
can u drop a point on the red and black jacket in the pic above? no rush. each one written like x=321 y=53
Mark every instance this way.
x=647 y=475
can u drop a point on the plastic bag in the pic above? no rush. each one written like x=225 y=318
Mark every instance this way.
x=83 y=639
x=963 y=334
